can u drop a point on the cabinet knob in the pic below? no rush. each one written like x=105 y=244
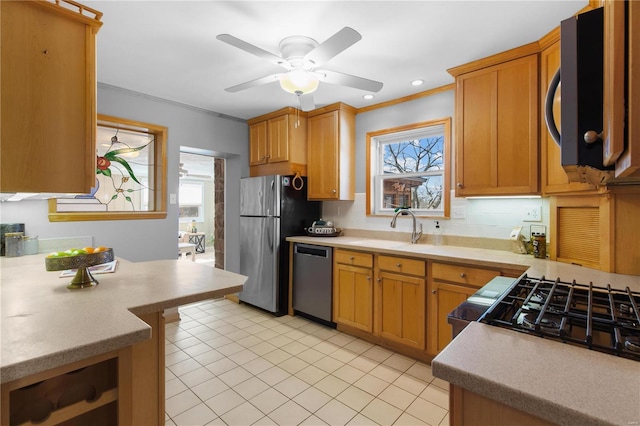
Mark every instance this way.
x=351 y=258
x=592 y=136
x=268 y=156
x=459 y=185
x=378 y=279
x=462 y=275
x=399 y=265
x=368 y=278
x=333 y=191
x=433 y=292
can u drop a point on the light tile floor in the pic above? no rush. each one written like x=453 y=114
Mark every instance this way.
x=233 y=364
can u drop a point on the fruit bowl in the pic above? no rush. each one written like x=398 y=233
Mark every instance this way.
x=81 y=262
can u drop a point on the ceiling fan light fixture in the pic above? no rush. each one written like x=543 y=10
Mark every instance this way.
x=299 y=82
x=417 y=82
x=368 y=97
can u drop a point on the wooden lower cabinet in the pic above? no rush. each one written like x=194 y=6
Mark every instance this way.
x=444 y=298
x=353 y=290
x=124 y=387
x=399 y=313
x=449 y=285
x=470 y=408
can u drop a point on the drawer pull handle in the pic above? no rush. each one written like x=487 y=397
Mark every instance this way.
x=462 y=275
x=351 y=258
x=399 y=265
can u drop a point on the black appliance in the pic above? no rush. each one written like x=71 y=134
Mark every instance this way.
x=272 y=208
x=581 y=91
x=595 y=317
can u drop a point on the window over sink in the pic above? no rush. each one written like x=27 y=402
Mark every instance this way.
x=408 y=166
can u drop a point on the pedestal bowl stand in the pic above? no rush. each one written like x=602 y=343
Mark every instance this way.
x=82 y=262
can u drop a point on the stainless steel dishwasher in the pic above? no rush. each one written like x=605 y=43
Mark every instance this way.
x=312 y=275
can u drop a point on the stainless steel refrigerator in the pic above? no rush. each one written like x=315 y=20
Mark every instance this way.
x=271 y=209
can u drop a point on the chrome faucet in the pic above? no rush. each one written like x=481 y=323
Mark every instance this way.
x=415 y=235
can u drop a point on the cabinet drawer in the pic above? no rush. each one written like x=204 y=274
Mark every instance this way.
x=355 y=258
x=402 y=265
x=462 y=274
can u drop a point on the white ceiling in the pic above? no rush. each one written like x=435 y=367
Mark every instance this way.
x=169 y=49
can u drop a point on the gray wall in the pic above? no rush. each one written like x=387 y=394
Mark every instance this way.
x=141 y=240
x=440 y=105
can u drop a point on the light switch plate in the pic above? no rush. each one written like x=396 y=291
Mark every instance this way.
x=172 y=198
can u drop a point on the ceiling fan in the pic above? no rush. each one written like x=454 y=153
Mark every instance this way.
x=300 y=57
x=184 y=173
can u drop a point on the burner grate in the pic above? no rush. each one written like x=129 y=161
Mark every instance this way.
x=599 y=318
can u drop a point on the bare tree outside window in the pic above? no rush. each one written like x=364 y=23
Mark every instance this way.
x=408 y=168
x=416 y=156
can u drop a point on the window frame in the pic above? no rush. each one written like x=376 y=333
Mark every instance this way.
x=160 y=177
x=200 y=217
x=373 y=140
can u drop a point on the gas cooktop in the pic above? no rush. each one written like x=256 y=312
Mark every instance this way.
x=599 y=318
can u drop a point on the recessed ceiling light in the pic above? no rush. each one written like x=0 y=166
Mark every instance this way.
x=368 y=97
x=417 y=82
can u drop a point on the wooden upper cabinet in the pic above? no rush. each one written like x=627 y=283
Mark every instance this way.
x=497 y=127
x=619 y=21
x=552 y=175
x=48 y=69
x=331 y=148
x=278 y=143
x=258 y=143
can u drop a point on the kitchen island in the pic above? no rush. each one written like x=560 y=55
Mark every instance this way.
x=496 y=373
x=109 y=337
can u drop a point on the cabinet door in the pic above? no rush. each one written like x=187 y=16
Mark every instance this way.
x=497 y=129
x=323 y=150
x=258 y=143
x=353 y=297
x=444 y=299
x=553 y=177
x=278 y=139
x=48 y=103
x=401 y=308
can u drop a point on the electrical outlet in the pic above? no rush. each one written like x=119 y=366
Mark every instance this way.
x=533 y=214
x=457 y=212
x=172 y=198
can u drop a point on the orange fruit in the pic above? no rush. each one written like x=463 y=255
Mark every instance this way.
x=88 y=249
x=99 y=249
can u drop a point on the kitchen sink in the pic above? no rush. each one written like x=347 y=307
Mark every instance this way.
x=381 y=244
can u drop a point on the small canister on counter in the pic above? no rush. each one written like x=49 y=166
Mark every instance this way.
x=539 y=240
x=13 y=244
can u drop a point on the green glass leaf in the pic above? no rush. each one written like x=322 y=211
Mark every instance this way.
x=107 y=172
x=111 y=155
x=114 y=196
x=127 y=198
x=126 y=166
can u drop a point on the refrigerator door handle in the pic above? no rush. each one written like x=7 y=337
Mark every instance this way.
x=270 y=235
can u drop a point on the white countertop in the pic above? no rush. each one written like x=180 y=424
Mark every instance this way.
x=559 y=382
x=45 y=325
x=564 y=384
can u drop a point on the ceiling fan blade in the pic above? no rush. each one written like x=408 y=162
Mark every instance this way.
x=333 y=45
x=250 y=48
x=253 y=83
x=342 y=79
x=306 y=102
